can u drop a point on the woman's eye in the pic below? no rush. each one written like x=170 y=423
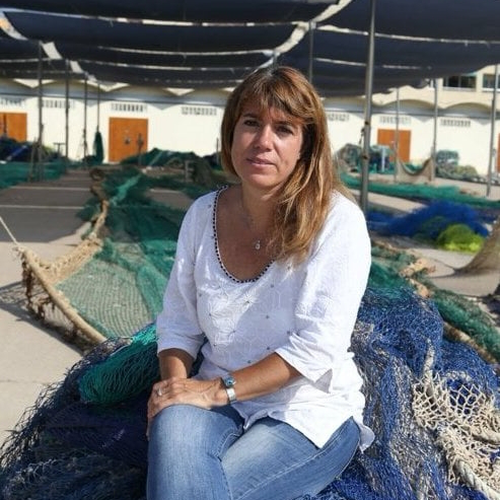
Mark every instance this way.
x=250 y=123
x=285 y=130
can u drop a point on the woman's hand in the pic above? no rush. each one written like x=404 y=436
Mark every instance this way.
x=177 y=390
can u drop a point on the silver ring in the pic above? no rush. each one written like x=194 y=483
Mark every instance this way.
x=158 y=392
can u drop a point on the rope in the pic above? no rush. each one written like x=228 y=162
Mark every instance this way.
x=9 y=232
x=60 y=300
x=474 y=481
x=42 y=271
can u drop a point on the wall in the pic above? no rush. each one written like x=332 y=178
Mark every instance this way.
x=190 y=121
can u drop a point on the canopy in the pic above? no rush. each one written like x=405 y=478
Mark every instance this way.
x=200 y=44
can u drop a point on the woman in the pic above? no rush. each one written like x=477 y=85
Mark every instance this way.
x=267 y=282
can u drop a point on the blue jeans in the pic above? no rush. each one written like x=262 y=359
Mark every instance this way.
x=197 y=454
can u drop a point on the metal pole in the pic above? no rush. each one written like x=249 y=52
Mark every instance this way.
x=396 y=138
x=98 y=105
x=35 y=172
x=312 y=26
x=365 y=166
x=40 y=94
x=66 y=113
x=492 y=133
x=432 y=175
x=85 y=97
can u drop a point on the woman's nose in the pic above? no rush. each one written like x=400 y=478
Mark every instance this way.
x=264 y=137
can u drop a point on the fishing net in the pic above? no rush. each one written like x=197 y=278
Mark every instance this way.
x=414 y=170
x=159 y=158
x=85 y=437
x=40 y=279
x=430 y=221
x=12 y=173
x=465 y=320
x=432 y=404
x=424 y=192
x=459 y=238
x=125 y=374
x=112 y=283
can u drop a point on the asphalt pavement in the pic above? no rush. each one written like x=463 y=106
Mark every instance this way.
x=43 y=217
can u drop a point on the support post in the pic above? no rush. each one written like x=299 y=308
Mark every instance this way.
x=492 y=154
x=432 y=174
x=396 y=137
x=312 y=27
x=66 y=113
x=365 y=166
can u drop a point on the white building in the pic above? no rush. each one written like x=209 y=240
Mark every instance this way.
x=129 y=117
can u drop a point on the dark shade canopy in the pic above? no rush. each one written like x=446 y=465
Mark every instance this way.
x=80 y=52
x=169 y=76
x=11 y=49
x=210 y=44
x=32 y=65
x=439 y=19
x=176 y=38
x=402 y=52
x=194 y=11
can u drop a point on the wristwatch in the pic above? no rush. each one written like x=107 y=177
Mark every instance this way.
x=229 y=384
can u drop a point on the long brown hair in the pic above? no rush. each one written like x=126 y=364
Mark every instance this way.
x=305 y=198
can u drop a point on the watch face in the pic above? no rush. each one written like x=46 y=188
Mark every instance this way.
x=229 y=381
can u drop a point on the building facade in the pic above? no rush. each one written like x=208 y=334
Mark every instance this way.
x=453 y=113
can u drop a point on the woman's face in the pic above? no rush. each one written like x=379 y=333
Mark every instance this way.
x=266 y=147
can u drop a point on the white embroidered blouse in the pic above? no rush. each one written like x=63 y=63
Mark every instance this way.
x=304 y=313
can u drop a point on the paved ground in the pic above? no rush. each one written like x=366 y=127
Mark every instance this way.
x=446 y=263
x=43 y=217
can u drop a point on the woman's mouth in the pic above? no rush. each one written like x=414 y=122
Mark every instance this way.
x=259 y=161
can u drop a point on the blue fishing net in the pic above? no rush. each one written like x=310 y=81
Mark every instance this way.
x=429 y=222
x=85 y=438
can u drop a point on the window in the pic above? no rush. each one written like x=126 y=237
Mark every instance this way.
x=129 y=107
x=56 y=103
x=335 y=116
x=455 y=122
x=460 y=82
x=198 y=110
x=489 y=81
x=11 y=101
x=393 y=119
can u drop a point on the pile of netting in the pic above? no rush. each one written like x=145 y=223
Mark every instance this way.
x=161 y=158
x=431 y=386
x=25 y=151
x=445 y=224
x=464 y=320
x=16 y=172
x=28 y=161
x=423 y=192
x=432 y=403
x=112 y=283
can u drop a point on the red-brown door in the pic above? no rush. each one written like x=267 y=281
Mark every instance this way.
x=14 y=125
x=387 y=137
x=127 y=137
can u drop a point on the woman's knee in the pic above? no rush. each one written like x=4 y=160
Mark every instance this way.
x=188 y=427
x=177 y=423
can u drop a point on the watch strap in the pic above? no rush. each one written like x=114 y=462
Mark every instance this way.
x=231 y=395
x=229 y=383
